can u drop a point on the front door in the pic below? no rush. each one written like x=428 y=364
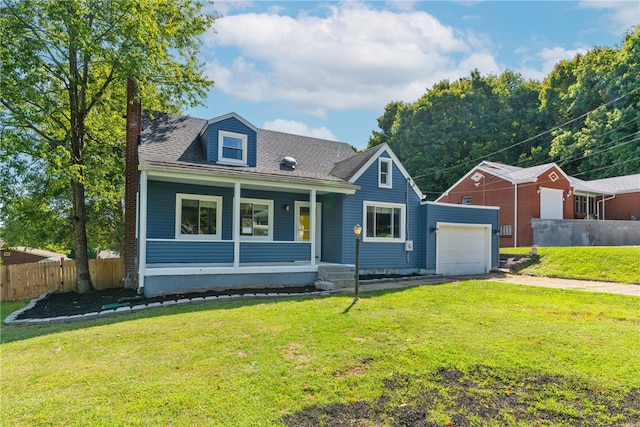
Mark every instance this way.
x=303 y=224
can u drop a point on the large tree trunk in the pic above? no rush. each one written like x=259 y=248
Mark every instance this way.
x=83 y=279
x=77 y=103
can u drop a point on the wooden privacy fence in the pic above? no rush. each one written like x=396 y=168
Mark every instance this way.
x=25 y=281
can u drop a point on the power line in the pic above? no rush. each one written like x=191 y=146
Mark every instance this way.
x=535 y=136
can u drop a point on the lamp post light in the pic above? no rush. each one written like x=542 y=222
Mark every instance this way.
x=357 y=230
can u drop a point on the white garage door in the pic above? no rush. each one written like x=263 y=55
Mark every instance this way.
x=463 y=249
x=550 y=203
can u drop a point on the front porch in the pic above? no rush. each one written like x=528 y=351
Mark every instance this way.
x=165 y=278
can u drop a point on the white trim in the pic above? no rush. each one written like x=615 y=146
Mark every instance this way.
x=236 y=225
x=229 y=241
x=389 y=173
x=515 y=214
x=256 y=269
x=230 y=176
x=269 y=204
x=461 y=206
x=230 y=161
x=199 y=197
x=142 y=255
x=313 y=224
x=317 y=246
x=403 y=219
x=230 y=116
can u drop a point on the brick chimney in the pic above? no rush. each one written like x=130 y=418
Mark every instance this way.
x=134 y=126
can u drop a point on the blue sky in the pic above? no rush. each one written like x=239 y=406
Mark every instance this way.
x=328 y=69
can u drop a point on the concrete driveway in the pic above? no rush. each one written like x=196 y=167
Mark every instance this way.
x=547 y=282
x=579 y=285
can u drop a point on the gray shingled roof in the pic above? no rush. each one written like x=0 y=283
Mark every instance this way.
x=349 y=167
x=515 y=173
x=615 y=185
x=173 y=141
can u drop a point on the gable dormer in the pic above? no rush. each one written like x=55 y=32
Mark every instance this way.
x=230 y=140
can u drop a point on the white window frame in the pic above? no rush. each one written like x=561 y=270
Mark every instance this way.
x=269 y=235
x=403 y=222
x=199 y=197
x=389 y=162
x=466 y=200
x=225 y=160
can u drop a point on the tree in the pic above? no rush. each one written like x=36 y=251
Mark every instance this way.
x=601 y=90
x=455 y=124
x=65 y=65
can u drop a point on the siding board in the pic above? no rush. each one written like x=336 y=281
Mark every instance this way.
x=231 y=125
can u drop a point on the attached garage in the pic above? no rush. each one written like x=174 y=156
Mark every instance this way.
x=463 y=248
x=461 y=239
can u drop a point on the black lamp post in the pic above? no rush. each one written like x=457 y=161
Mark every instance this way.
x=357 y=230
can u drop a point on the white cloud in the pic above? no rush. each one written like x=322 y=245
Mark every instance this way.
x=298 y=128
x=544 y=61
x=622 y=16
x=351 y=57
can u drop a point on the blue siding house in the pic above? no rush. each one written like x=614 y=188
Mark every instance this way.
x=224 y=204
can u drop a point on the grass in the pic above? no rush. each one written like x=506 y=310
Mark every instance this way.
x=257 y=363
x=617 y=264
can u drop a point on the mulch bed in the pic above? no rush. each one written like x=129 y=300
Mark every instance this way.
x=72 y=303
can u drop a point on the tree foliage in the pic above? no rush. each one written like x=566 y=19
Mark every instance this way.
x=585 y=116
x=65 y=65
x=454 y=124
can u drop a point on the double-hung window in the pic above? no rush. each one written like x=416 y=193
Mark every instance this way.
x=256 y=219
x=384 y=222
x=198 y=217
x=232 y=148
x=384 y=172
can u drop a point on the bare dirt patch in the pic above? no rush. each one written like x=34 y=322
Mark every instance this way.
x=450 y=397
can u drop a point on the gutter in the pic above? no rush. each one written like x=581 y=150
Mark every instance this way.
x=243 y=177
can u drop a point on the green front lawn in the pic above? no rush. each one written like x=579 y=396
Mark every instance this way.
x=521 y=353
x=610 y=263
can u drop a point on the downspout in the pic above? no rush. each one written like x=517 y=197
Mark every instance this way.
x=602 y=201
x=515 y=214
x=406 y=207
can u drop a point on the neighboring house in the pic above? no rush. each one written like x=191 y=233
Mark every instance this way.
x=25 y=255
x=545 y=192
x=225 y=204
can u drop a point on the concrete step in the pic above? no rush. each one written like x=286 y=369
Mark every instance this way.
x=335 y=276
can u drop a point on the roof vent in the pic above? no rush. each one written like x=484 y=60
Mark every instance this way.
x=289 y=162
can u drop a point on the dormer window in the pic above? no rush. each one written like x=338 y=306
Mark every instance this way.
x=384 y=172
x=232 y=148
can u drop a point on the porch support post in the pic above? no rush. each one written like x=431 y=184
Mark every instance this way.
x=142 y=230
x=236 y=224
x=515 y=214
x=312 y=226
